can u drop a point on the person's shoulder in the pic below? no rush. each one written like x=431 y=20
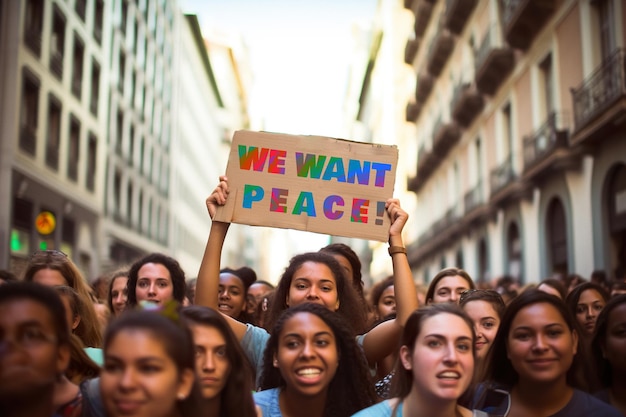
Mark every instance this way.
x=267 y=401
x=382 y=409
x=585 y=404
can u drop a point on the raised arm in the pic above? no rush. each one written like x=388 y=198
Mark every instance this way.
x=383 y=339
x=207 y=285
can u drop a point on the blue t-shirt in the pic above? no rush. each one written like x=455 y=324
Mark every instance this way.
x=253 y=344
x=583 y=405
x=267 y=401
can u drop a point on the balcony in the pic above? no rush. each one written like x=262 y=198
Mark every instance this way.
x=547 y=149
x=600 y=101
x=474 y=197
x=502 y=175
x=523 y=19
x=494 y=62
x=439 y=51
x=445 y=136
x=427 y=161
x=476 y=211
x=413 y=111
x=506 y=185
x=457 y=13
x=467 y=103
x=423 y=10
x=56 y=64
x=32 y=39
x=442 y=233
x=423 y=87
x=410 y=50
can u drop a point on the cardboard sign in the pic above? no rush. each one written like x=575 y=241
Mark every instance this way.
x=313 y=183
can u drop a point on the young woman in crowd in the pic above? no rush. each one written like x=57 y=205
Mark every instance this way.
x=313 y=367
x=149 y=367
x=436 y=365
x=225 y=375
x=448 y=285
x=534 y=358
x=53 y=267
x=118 y=292
x=608 y=348
x=317 y=278
x=232 y=292
x=485 y=308
x=585 y=302
x=156 y=278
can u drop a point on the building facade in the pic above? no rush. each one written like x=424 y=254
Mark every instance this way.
x=514 y=133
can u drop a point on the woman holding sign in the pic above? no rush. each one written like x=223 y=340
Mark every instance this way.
x=313 y=277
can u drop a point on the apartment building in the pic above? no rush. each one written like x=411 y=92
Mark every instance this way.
x=112 y=122
x=514 y=135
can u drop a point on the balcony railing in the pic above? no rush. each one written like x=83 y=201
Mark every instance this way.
x=548 y=137
x=457 y=13
x=467 y=103
x=523 y=19
x=410 y=50
x=502 y=175
x=494 y=62
x=413 y=111
x=423 y=11
x=601 y=90
x=439 y=51
x=424 y=86
x=474 y=197
x=445 y=136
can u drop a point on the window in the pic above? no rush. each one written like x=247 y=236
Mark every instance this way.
x=124 y=16
x=53 y=139
x=483 y=262
x=607 y=26
x=122 y=72
x=514 y=251
x=81 y=8
x=119 y=132
x=28 y=112
x=547 y=85
x=73 y=154
x=117 y=195
x=131 y=145
x=33 y=25
x=507 y=140
x=98 y=20
x=57 y=43
x=92 y=160
x=77 y=66
x=95 y=88
x=557 y=236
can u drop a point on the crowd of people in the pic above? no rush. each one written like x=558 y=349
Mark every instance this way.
x=147 y=341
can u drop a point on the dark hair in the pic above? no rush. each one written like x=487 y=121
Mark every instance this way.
x=618 y=285
x=350 y=306
x=41 y=294
x=574 y=296
x=122 y=273
x=177 y=343
x=76 y=303
x=402 y=382
x=499 y=367
x=377 y=290
x=268 y=284
x=176 y=273
x=447 y=272
x=346 y=251
x=236 y=396
x=492 y=297
x=190 y=289
x=89 y=327
x=81 y=366
x=602 y=365
x=247 y=276
x=351 y=388
x=557 y=285
x=7 y=276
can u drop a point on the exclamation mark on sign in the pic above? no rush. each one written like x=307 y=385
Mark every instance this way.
x=380 y=212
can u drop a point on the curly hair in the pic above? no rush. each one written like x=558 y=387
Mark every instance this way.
x=351 y=388
x=236 y=396
x=89 y=328
x=176 y=273
x=350 y=305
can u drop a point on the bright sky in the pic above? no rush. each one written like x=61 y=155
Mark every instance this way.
x=300 y=55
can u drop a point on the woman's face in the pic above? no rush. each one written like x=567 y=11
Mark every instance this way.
x=387 y=302
x=449 y=289
x=212 y=365
x=154 y=284
x=231 y=299
x=486 y=323
x=615 y=343
x=307 y=355
x=313 y=283
x=442 y=361
x=119 y=295
x=589 y=305
x=139 y=379
x=49 y=277
x=540 y=345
